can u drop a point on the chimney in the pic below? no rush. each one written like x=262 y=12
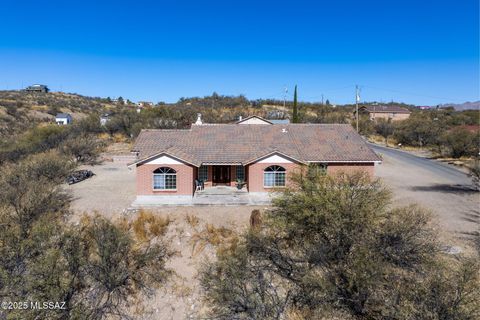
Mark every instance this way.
x=239 y=118
x=199 y=119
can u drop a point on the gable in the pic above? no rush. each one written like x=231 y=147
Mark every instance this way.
x=164 y=160
x=254 y=120
x=275 y=158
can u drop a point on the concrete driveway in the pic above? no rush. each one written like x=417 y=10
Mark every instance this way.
x=442 y=188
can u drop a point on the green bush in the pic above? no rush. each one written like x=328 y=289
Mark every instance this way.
x=459 y=142
x=333 y=245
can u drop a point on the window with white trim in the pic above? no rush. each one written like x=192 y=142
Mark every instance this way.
x=164 y=178
x=274 y=176
x=203 y=173
x=240 y=173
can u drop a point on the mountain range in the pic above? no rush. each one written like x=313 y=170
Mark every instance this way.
x=463 y=106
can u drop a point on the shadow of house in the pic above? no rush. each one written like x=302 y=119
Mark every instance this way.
x=446 y=188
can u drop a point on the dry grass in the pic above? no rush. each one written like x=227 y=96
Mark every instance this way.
x=192 y=220
x=211 y=235
x=148 y=225
x=117 y=138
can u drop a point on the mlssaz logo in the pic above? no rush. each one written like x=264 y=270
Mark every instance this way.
x=50 y=305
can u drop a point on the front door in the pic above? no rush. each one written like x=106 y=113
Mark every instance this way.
x=221 y=175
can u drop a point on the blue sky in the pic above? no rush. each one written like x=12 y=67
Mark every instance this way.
x=422 y=52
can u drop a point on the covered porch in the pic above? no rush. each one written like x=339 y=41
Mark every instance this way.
x=216 y=175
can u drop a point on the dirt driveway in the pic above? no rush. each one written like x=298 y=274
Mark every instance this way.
x=443 y=189
x=110 y=191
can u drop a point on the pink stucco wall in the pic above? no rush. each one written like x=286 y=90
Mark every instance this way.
x=255 y=175
x=186 y=175
x=185 y=179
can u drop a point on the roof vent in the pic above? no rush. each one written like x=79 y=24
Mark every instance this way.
x=240 y=118
x=284 y=130
x=199 y=119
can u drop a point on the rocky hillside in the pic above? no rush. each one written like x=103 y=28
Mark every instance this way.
x=20 y=110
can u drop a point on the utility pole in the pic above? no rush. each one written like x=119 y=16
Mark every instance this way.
x=285 y=97
x=322 y=99
x=357 y=98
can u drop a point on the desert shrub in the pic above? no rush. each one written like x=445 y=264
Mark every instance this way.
x=474 y=173
x=366 y=126
x=98 y=268
x=36 y=140
x=333 y=245
x=385 y=128
x=418 y=130
x=459 y=142
x=84 y=148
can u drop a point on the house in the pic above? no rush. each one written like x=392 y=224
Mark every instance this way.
x=63 y=118
x=144 y=104
x=394 y=113
x=260 y=120
x=37 y=88
x=263 y=156
x=253 y=120
x=104 y=118
x=279 y=121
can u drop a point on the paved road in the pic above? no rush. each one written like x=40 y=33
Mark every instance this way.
x=442 y=170
x=442 y=188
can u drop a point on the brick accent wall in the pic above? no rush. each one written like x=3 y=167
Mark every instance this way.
x=255 y=172
x=185 y=179
x=187 y=174
x=255 y=175
x=336 y=168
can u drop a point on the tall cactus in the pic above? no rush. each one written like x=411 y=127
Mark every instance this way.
x=295 y=107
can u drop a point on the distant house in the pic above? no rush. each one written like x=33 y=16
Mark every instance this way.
x=104 y=118
x=394 y=113
x=253 y=120
x=144 y=104
x=63 y=118
x=260 y=120
x=279 y=121
x=37 y=88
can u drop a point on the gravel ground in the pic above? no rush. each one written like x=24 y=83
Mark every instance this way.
x=109 y=192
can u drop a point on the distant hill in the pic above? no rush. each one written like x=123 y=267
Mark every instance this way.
x=20 y=110
x=463 y=106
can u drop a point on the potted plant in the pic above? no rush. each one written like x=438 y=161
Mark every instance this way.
x=240 y=184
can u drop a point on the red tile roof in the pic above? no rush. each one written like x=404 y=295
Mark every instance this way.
x=243 y=143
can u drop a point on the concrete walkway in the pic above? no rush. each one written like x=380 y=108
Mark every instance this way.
x=215 y=196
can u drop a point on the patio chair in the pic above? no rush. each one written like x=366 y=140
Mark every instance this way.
x=198 y=185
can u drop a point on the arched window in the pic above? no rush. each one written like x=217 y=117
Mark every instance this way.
x=164 y=178
x=274 y=176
